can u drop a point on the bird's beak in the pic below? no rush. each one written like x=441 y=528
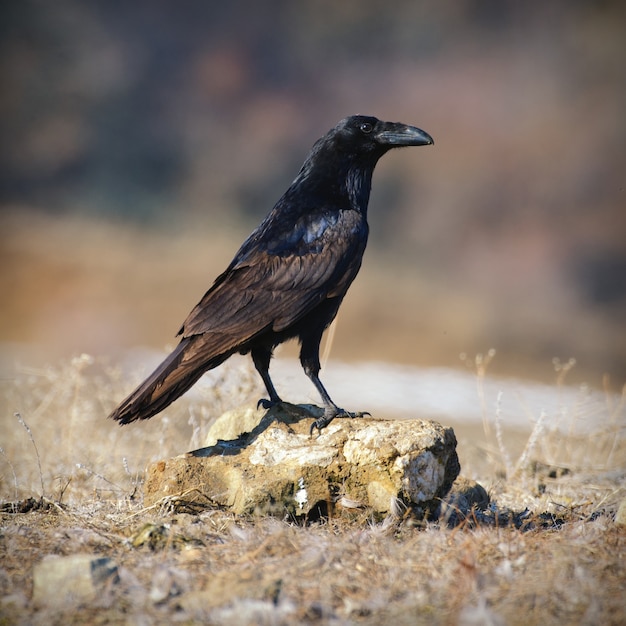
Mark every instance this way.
x=396 y=135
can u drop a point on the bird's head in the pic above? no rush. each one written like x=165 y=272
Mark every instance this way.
x=341 y=163
x=365 y=134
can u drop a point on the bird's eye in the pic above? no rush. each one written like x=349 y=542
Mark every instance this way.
x=366 y=128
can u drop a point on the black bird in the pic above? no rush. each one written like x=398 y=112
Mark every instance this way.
x=289 y=277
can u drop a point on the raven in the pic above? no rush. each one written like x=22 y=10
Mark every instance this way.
x=289 y=277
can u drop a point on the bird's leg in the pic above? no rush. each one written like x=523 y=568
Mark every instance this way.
x=309 y=357
x=261 y=358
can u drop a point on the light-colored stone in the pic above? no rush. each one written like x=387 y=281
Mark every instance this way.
x=234 y=423
x=620 y=516
x=276 y=467
x=66 y=581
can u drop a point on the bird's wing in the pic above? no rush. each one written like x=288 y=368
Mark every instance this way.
x=273 y=281
x=267 y=289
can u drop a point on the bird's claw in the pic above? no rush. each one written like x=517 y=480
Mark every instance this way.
x=266 y=404
x=321 y=422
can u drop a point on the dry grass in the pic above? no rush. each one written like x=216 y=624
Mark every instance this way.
x=84 y=476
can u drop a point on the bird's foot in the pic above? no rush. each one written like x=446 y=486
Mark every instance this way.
x=267 y=404
x=330 y=414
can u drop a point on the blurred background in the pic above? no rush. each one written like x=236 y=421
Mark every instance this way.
x=141 y=142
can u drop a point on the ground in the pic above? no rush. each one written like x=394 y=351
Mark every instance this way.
x=72 y=484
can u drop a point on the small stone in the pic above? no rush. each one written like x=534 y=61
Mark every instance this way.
x=67 y=581
x=234 y=423
x=464 y=496
x=620 y=516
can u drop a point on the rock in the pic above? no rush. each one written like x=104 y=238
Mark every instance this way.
x=464 y=497
x=66 y=581
x=620 y=516
x=278 y=468
x=233 y=423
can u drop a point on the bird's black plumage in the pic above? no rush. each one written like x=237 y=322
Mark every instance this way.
x=289 y=277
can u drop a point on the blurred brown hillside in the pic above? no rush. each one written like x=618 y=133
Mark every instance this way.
x=142 y=141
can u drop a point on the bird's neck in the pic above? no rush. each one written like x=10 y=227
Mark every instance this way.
x=358 y=184
x=345 y=187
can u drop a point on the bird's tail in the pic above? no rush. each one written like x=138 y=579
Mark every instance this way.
x=178 y=372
